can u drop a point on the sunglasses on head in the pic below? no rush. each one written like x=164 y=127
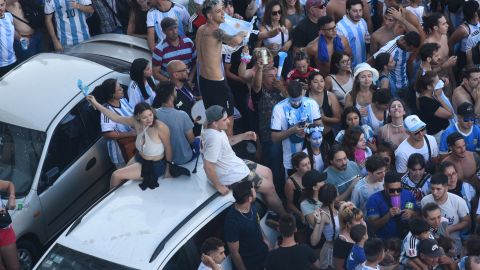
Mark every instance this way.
x=394 y=190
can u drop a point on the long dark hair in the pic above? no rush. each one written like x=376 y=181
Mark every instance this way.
x=267 y=16
x=356 y=88
x=347 y=111
x=350 y=140
x=389 y=117
x=136 y=74
x=327 y=195
x=335 y=61
x=105 y=91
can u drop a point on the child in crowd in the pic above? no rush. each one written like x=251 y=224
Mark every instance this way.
x=419 y=230
x=374 y=254
x=358 y=233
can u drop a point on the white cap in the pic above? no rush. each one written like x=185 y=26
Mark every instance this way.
x=412 y=123
x=198 y=2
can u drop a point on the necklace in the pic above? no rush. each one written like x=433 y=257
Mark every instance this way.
x=248 y=215
x=396 y=126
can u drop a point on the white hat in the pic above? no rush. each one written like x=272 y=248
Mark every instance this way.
x=412 y=123
x=198 y=2
x=364 y=67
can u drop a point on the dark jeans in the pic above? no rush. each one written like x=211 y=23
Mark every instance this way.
x=272 y=158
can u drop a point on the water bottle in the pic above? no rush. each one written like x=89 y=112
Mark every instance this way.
x=24 y=42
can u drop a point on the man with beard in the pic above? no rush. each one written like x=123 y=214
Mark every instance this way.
x=468 y=91
x=327 y=42
x=342 y=173
x=466 y=162
x=209 y=39
x=354 y=28
x=452 y=206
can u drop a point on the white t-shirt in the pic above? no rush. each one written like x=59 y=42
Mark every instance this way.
x=318 y=160
x=216 y=149
x=404 y=151
x=454 y=209
x=307 y=112
x=202 y=266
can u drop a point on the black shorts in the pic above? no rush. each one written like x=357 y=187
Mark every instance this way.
x=216 y=93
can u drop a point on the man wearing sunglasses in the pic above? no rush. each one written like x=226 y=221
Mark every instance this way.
x=466 y=162
x=388 y=216
x=465 y=126
x=417 y=142
x=307 y=29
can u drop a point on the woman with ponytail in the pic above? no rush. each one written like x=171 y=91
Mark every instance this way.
x=141 y=88
x=110 y=94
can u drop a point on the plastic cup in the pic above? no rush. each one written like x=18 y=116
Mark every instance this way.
x=395 y=201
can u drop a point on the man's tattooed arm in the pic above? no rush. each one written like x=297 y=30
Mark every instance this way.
x=234 y=40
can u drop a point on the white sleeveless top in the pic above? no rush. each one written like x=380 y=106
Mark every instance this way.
x=341 y=91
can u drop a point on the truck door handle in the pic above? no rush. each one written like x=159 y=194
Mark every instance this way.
x=91 y=163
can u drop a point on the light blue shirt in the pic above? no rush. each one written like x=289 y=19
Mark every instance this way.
x=355 y=34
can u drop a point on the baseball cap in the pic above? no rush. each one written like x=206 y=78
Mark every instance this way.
x=311 y=178
x=198 y=2
x=314 y=3
x=214 y=113
x=466 y=110
x=430 y=248
x=413 y=123
x=167 y=23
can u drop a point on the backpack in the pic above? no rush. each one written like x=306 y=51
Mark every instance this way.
x=33 y=13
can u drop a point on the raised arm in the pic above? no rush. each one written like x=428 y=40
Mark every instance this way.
x=130 y=121
x=230 y=40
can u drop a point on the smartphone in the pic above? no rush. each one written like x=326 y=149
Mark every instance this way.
x=302 y=123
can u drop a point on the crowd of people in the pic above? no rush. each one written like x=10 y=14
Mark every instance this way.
x=362 y=116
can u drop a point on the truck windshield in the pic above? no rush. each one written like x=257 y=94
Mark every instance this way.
x=61 y=257
x=20 y=152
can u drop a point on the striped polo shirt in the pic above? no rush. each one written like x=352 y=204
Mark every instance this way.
x=355 y=34
x=164 y=53
x=7 y=31
x=397 y=77
x=71 y=23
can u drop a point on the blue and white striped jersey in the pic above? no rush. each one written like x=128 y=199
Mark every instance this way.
x=357 y=35
x=7 y=33
x=108 y=125
x=398 y=78
x=177 y=12
x=71 y=23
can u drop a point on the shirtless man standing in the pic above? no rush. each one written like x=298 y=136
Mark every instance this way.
x=468 y=90
x=24 y=30
x=395 y=24
x=436 y=27
x=329 y=40
x=405 y=14
x=212 y=83
x=465 y=161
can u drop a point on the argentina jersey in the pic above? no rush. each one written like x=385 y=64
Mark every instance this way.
x=177 y=12
x=7 y=32
x=397 y=76
x=71 y=23
x=355 y=34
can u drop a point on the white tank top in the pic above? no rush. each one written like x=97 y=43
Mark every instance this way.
x=473 y=30
x=276 y=39
x=341 y=91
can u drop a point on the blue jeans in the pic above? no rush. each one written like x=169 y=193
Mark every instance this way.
x=272 y=156
x=34 y=47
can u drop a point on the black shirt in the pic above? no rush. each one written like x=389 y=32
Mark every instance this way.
x=341 y=250
x=305 y=32
x=296 y=257
x=428 y=107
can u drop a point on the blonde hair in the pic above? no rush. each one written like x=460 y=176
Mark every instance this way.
x=347 y=213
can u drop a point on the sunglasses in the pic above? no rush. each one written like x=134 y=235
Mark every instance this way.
x=274 y=13
x=418 y=131
x=322 y=6
x=469 y=119
x=394 y=190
